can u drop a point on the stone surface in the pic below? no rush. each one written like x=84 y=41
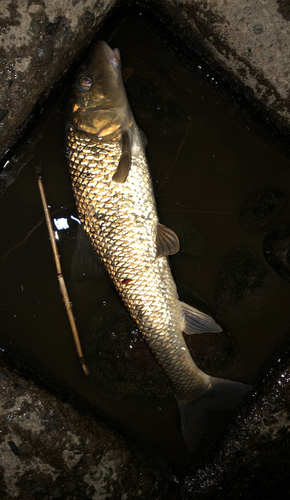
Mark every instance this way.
x=40 y=40
x=253 y=460
x=50 y=450
x=249 y=40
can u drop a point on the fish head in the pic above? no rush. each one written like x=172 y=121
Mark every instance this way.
x=98 y=104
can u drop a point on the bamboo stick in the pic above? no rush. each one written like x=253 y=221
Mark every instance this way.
x=59 y=270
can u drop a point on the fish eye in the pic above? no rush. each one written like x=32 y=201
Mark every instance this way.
x=84 y=83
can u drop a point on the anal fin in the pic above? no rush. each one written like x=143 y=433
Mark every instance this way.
x=195 y=321
x=167 y=242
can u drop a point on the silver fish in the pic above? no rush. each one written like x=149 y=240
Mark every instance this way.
x=115 y=200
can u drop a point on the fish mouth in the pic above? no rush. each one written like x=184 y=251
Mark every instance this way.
x=113 y=55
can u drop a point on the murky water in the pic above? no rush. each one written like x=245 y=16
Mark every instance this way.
x=206 y=163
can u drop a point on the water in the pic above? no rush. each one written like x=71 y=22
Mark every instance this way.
x=206 y=162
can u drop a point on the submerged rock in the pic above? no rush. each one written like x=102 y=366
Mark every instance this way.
x=240 y=290
x=277 y=249
x=119 y=360
x=262 y=208
x=192 y=240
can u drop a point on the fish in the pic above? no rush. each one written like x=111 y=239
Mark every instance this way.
x=115 y=200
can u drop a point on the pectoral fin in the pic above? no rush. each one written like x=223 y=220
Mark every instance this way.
x=167 y=242
x=124 y=166
x=194 y=321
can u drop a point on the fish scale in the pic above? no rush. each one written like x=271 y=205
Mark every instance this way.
x=155 y=312
x=116 y=205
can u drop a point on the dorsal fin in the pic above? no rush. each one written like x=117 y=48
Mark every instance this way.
x=124 y=166
x=167 y=242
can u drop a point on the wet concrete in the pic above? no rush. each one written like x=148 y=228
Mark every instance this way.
x=49 y=450
x=252 y=454
x=247 y=45
x=249 y=40
x=253 y=459
x=40 y=40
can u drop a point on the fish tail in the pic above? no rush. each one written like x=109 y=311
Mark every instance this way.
x=221 y=395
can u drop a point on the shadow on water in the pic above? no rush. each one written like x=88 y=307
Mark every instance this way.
x=211 y=177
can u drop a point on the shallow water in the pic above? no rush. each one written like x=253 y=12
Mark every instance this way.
x=206 y=163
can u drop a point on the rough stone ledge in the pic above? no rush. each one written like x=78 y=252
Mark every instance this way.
x=40 y=40
x=49 y=450
x=249 y=41
x=252 y=459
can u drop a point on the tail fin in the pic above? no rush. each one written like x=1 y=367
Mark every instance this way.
x=222 y=395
